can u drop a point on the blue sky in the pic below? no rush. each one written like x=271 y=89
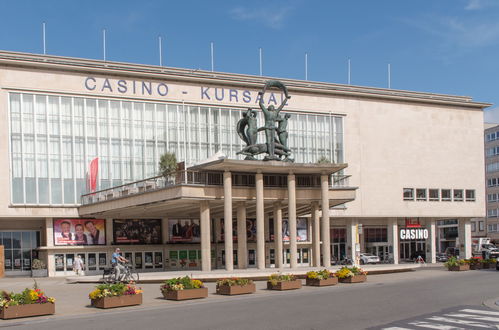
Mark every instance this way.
x=444 y=46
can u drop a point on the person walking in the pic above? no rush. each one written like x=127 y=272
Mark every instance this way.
x=78 y=265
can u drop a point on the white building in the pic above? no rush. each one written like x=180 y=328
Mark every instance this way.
x=401 y=160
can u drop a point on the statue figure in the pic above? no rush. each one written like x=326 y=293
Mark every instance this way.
x=271 y=114
x=276 y=138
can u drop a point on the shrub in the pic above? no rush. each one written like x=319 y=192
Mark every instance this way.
x=110 y=290
x=276 y=278
x=181 y=283
x=346 y=272
x=233 y=281
x=320 y=274
x=28 y=296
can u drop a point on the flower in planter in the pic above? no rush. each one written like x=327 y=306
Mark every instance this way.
x=474 y=260
x=110 y=290
x=181 y=283
x=276 y=278
x=346 y=272
x=454 y=262
x=320 y=274
x=28 y=296
x=233 y=281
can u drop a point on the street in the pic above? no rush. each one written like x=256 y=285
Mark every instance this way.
x=383 y=302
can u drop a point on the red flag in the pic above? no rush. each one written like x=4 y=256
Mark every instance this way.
x=94 y=170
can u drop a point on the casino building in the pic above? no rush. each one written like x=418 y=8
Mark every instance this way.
x=397 y=162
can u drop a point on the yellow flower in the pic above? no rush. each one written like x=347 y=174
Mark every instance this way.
x=33 y=295
x=95 y=294
x=197 y=284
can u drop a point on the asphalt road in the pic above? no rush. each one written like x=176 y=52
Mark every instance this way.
x=383 y=300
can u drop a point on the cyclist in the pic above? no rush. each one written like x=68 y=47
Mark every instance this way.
x=117 y=262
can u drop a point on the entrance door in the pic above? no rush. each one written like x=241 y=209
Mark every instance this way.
x=251 y=258
x=19 y=251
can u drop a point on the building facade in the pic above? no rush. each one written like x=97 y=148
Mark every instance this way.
x=399 y=151
x=491 y=135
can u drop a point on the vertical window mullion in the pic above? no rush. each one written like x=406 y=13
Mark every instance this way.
x=61 y=156
x=73 y=153
x=23 y=173
x=49 y=176
x=35 y=153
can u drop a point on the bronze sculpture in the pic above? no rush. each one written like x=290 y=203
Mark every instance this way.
x=276 y=138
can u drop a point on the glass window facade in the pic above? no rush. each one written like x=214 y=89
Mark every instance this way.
x=54 y=139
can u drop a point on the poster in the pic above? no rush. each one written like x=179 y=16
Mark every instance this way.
x=250 y=230
x=79 y=232
x=301 y=230
x=137 y=231
x=184 y=230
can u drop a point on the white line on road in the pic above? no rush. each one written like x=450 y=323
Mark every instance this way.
x=478 y=311
x=429 y=325
x=462 y=322
x=474 y=317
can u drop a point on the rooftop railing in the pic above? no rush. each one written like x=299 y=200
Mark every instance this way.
x=205 y=179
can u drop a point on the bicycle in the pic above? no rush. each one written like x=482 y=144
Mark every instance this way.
x=127 y=275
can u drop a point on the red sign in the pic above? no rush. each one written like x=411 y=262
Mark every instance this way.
x=412 y=223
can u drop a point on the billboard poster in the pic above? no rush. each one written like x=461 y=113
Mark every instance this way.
x=79 y=232
x=184 y=230
x=250 y=230
x=301 y=230
x=137 y=231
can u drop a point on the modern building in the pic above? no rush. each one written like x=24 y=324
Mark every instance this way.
x=492 y=180
x=397 y=167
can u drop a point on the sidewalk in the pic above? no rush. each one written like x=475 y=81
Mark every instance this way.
x=255 y=274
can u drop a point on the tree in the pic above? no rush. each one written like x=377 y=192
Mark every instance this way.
x=323 y=160
x=167 y=164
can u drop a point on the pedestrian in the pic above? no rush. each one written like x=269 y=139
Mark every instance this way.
x=78 y=266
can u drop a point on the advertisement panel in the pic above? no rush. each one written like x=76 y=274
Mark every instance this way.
x=301 y=230
x=250 y=230
x=184 y=230
x=79 y=232
x=137 y=231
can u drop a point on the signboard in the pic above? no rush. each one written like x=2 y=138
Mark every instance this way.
x=184 y=230
x=413 y=234
x=412 y=223
x=79 y=232
x=250 y=230
x=137 y=231
x=301 y=230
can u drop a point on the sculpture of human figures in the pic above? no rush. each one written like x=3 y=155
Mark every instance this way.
x=252 y=130
x=282 y=130
x=270 y=114
x=241 y=127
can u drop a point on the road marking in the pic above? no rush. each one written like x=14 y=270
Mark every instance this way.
x=474 y=317
x=423 y=324
x=456 y=321
x=478 y=311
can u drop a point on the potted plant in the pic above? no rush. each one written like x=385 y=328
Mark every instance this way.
x=283 y=282
x=475 y=263
x=115 y=295
x=487 y=262
x=38 y=268
x=235 y=285
x=183 y=288
x=321 y=278
x=351 y=275
x=30 y=302
x=455 y=264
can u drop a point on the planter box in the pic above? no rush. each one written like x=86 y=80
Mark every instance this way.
x=486 y=266
x=186 y=294
x=459 y=268
x=354 y=279
x=475 y=266
x=285 y=285
x=118 y=301
x=12 y=312
x=317 y=282
x=39 y=273
x=236 y=289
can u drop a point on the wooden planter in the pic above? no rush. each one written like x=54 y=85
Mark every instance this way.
x=285 y=285
x=118 y=301
x=486 y=266
x=476 y=266
x=459 y=268
x=354 y=279
x=318 y=282
x=186 y=294
x=12 y=312
x=236 y=289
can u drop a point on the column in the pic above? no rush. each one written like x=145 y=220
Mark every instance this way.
x=316 y=232
x=393 y=239
x=351 y=238
x=464 y=233
x=242 y=245
x=229 y=256
x=432 y=240
x=326 y=240
x=266 y=234
x=278 y=234
x=260 y=233
x=165 y=234
x=49 y=236
x=292 y=221
x=217 y=236
x=204 y=215
x=109 y=231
